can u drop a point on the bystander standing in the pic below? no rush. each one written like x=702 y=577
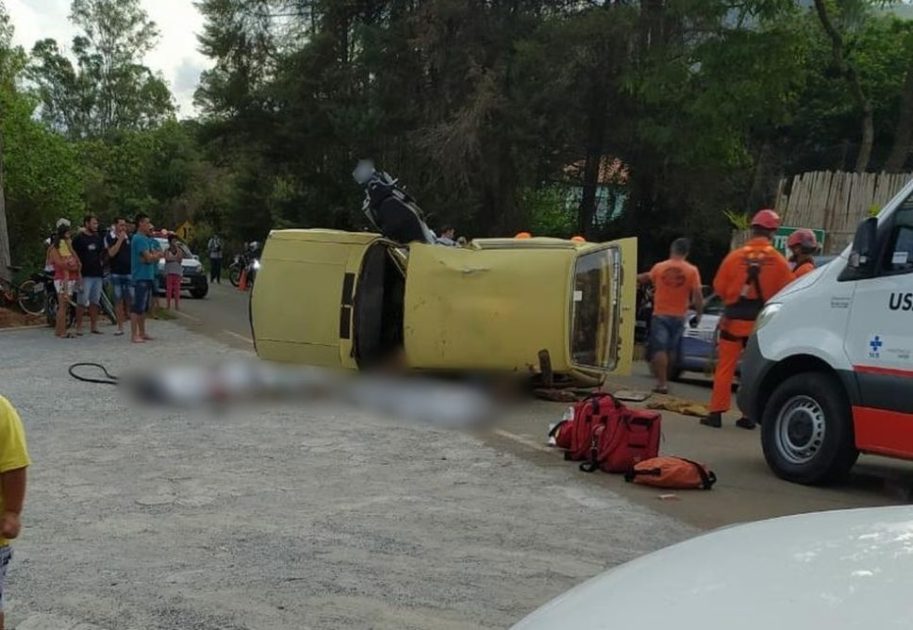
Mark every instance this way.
x=174 y=272
x=118 y=246
x=14 y=461
x=215 y=258
x=145 y=254
x=89 y=246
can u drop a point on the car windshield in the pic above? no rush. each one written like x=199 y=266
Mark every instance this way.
x=592 y=310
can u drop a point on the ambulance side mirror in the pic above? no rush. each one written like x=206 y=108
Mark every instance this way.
x=865 y=247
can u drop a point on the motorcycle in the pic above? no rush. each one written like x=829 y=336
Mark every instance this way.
x=238 y=264
x=249 y=261
x=392 y=211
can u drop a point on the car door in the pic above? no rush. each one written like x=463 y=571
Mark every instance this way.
x=879 y=343
x=302 y=302
x=626 y=309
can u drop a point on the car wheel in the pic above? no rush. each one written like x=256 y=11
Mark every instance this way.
x=807 y=430
x=199 y=294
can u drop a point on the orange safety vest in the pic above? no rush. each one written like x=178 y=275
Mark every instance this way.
x=807 y=267
x=747 y=278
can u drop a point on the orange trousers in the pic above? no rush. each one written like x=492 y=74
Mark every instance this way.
x=728 y=354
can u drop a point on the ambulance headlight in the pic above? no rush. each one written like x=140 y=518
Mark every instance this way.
x=766 y=315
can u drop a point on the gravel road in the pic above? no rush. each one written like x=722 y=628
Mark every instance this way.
x=282 y=519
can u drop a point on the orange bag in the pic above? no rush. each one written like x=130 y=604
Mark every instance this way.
x=672 y=472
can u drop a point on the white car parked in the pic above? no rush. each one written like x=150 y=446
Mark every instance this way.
x=845 y=570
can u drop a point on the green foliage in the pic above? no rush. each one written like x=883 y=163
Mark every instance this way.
x=43 y=178
x=548 y=211
x=109 y=89
x=738 y=220
x=487 y=111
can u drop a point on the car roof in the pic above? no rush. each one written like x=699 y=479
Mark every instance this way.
x=839 y=570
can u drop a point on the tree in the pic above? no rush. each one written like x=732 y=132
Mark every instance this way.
x=109 y=89
x=849 y=71
x=903 y=132
x=11 y=59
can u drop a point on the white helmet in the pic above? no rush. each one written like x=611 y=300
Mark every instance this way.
x=62 y=221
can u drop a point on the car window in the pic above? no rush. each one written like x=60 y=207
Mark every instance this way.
x=592 y=310
x=898 y=256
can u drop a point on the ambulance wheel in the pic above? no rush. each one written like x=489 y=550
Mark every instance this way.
x=807 y=430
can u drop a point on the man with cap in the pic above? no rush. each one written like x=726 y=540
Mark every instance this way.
x=747 y=278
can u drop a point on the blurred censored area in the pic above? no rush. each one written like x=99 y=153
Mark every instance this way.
x=249 y=385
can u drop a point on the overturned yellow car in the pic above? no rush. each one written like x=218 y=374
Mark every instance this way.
x=560 y=311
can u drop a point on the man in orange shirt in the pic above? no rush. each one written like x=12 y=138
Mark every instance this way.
x=748 y=277
x=676 y=285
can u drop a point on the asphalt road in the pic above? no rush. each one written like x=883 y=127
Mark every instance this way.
x=221 y=315
x=746 y=489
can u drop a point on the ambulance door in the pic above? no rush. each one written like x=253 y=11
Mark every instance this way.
x=879 y=342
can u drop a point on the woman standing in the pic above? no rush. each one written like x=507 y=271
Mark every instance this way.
x=66 y=276
x=174 y=272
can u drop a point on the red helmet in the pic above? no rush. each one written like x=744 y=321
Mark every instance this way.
x=578 y=239
x=803 y=238
x=767 y=219
x=523 y=235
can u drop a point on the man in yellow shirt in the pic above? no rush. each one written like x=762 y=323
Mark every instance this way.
x=14 y=459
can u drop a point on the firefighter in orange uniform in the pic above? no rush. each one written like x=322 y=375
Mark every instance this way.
x=803 y=244
x=748 y=277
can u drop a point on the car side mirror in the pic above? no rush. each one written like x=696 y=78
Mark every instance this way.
x=865 y=245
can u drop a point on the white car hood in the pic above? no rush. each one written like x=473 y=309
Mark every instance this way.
x=836 y=570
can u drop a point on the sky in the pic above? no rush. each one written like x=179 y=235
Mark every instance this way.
x=176 y=55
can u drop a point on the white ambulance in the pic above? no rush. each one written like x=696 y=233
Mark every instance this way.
x=829 y=369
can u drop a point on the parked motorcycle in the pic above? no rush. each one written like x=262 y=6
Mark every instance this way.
x=237 y=265
x=248 y=260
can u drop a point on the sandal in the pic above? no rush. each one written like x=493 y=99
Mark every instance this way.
x=661 y=390
x=96 y=332
x=119 y=333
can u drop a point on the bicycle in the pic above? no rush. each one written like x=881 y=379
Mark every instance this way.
x=30 y=295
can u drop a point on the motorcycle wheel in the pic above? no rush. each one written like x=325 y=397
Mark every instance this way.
x=234 y=276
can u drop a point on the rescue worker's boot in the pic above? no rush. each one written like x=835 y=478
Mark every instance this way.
x=714 y=419
x=746 y=423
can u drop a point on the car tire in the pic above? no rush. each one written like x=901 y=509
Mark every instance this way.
x=199 y=294
x=807 y=430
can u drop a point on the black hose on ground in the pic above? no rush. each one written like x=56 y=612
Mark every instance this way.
x=111 y=379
